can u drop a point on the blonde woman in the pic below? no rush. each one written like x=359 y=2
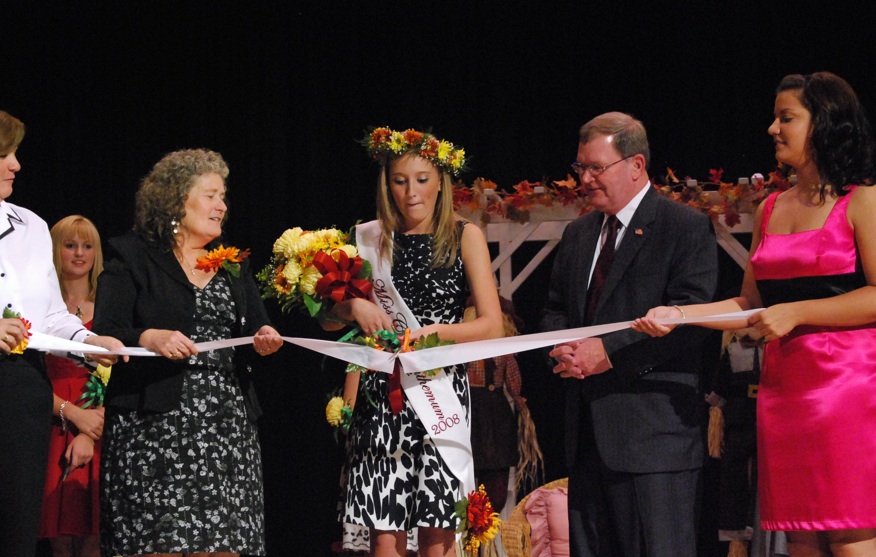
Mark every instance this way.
x=400 y=474
x=71 y=515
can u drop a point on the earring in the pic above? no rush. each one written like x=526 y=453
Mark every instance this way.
x=175 y=225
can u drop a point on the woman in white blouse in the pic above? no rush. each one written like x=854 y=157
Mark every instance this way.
x=30 y=298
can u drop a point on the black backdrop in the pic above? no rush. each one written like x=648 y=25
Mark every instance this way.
x=284 y=89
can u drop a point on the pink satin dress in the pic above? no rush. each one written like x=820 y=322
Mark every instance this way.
x=816 y=407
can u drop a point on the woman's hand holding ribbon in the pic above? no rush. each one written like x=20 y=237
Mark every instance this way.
x=267 y=340
x=171 y=344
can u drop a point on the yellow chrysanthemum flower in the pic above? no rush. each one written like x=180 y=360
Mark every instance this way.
x=333 y=411
x=20 y=347
x=444 y=149
x=103 y=373
x=493 y=529
x=349 y=249
x=328 y=238
x=397 y=143
x=312 y=242
x=338 y=238
x=287 y=244
x=457 y=161
x=309 y=278
x=292 y=271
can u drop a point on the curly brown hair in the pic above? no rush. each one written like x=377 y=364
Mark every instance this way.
x=163 y=192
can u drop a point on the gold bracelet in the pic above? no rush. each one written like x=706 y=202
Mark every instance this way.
x=683 y=316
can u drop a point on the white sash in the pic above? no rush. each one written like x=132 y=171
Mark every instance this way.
x=432 y=398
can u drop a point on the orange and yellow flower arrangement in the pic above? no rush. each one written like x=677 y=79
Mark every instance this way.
x=478 y=523
x=313 y=270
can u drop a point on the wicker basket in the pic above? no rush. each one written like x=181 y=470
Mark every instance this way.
x=516 y=531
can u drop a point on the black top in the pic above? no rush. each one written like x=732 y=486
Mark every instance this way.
x=143 y=287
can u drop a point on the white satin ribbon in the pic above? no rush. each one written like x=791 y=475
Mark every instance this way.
x=422 y=360
x=49 y=343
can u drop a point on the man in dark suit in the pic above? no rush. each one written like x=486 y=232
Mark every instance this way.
x=633 y=410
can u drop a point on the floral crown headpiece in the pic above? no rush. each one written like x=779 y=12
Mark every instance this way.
x=384 y=142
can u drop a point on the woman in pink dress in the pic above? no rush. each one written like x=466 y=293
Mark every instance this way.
x=813 y=266
x=70 y=515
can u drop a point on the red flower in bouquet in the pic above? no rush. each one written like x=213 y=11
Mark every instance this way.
x=339 y=272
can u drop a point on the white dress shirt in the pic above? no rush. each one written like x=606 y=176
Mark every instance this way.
x=28 y=282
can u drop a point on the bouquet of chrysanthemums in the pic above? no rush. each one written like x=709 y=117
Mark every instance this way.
x=478 y=522
x=313 y=270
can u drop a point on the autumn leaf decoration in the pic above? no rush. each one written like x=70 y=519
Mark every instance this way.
x=9 y=314
x=222 y=258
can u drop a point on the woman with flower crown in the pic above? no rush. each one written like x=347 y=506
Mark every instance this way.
x=181 y=468
x=404 y=470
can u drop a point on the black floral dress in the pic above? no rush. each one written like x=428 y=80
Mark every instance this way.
x=394 y=477
x=189 y=480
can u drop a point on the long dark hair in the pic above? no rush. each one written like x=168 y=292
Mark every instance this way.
x=840 y=136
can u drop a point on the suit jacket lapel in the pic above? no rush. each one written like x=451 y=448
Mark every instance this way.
x=630 y=245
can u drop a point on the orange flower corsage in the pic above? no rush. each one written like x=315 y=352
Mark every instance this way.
x=9 y=314
x=222 y=258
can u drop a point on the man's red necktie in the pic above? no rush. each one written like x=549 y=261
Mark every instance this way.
x=603 y=264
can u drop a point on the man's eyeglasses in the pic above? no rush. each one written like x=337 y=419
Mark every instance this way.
x=595 y=169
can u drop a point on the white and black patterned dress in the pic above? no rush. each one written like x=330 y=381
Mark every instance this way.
x=189 y=480
x=395 y=479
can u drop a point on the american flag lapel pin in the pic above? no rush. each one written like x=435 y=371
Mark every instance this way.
x=639 y=232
